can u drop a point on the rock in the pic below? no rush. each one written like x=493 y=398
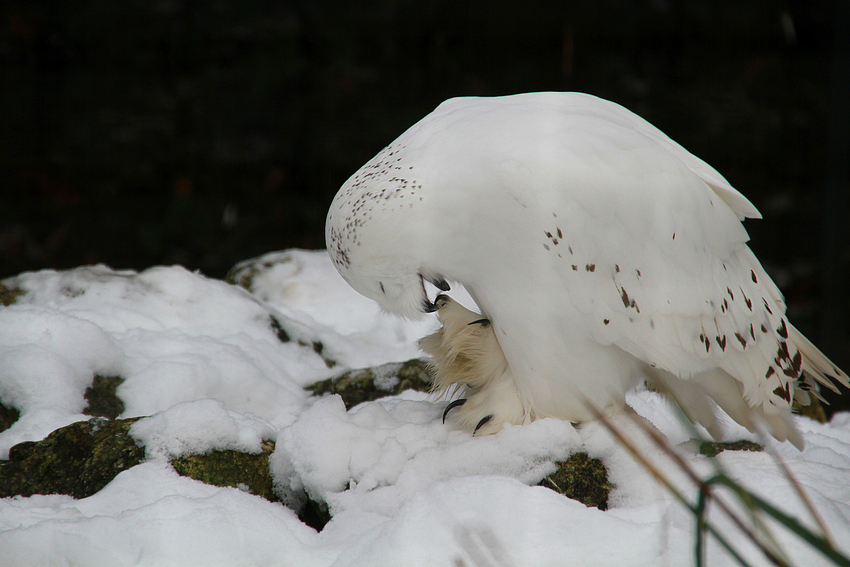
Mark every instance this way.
x=77 y=460
x=8 y=296
x=714 y=448
x=369 y=384
x=581 y=478
x=284 y=337
x=8 y=416
x=813 y=410
x=103 y=398
x=248 y=472
x=82 y=458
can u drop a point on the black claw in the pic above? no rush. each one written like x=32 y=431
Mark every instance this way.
x=481 y=423
x=482 y=322
x=451 y=406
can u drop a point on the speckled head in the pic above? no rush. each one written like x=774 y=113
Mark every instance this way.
x=371 y=235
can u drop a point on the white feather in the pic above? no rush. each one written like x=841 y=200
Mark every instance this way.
x=598 y=247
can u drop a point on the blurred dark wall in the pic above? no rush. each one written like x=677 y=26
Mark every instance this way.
x=203 y=133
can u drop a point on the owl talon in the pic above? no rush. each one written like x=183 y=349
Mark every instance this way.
x=451 y=406
x=483 y=421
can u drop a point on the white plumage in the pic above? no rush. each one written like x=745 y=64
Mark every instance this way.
x=600 y=251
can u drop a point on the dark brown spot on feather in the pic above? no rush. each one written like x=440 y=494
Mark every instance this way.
x=782 y=330
x=770 y=372
x=721 y=342
x=590 y=267
x=741 y=340
x=797 y=362
x=753 y=275
x=783 y=392
x=606 y=321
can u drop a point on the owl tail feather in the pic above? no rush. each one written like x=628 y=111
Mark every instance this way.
x=698 y=395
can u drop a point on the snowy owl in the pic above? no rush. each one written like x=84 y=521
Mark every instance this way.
x=599 y=252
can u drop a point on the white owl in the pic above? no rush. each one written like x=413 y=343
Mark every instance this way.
x=599 y=252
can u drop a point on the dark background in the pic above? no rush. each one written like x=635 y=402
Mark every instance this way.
x=137 y=133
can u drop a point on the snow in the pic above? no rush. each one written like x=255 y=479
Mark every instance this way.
x=203 y=360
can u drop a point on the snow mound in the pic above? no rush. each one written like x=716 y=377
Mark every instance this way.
x=214 y=366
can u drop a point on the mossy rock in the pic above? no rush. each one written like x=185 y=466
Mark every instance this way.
x=251 y=473
x=714 y=448
x=243 y=273
x=814 y=410
x=103 y=398
x=77 y=460
x=246 y=471
x=8 y=416
x=284 y=337
x=8 y=296
x=581 y=478
x=369 y=384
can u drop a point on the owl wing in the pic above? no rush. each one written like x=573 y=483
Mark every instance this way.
x=659 y=266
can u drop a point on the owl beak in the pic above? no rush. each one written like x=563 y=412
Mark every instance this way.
x=438 y=282
x=427 y=306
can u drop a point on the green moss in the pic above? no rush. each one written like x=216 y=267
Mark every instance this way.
x=713 y=448
x=8 y=416
x=102 y=397
x=581 y=478
x=8 y=296
x=813 y=411
x=231 y=468
x=278 y=329
x=251 y=473
x=243 y=273
x=369 y=384
x=284 y=337
x=318 y=347
x=78 y=460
